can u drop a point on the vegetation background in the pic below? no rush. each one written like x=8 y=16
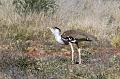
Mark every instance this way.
x=29 y=51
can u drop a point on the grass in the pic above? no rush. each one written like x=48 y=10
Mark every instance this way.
x=57 y=67
x=22 y=37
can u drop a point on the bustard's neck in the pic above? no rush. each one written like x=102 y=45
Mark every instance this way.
x=58 y=38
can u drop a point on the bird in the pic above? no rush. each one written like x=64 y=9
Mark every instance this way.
x=71 y=37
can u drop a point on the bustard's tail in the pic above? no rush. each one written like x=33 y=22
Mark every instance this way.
x=93 y=39
x=88 y=37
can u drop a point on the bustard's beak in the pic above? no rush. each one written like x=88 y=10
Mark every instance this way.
x=51 y=29
x=48 y=27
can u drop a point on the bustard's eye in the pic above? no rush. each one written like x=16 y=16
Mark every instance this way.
x=89 y=39
x=57 y=29
x=69 y=38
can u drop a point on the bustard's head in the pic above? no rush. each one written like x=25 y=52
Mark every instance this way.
x=55 y=30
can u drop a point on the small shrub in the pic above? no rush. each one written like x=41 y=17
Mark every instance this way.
x=116 y=41
x=101 y=76
x=86 y=56
x=25 y=63
x=30 y=6
x=20 y=39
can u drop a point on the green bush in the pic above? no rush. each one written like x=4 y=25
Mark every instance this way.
x=25 y=7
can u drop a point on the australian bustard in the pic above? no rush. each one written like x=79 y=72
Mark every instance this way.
x=72 y=36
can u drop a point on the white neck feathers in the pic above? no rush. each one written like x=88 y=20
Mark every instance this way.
x=57 y=35
x=58 y=38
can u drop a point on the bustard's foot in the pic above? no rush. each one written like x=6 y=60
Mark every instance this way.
x=77 y=62
x=72 y=62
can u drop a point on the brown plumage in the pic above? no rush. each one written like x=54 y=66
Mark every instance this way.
x=79 y=34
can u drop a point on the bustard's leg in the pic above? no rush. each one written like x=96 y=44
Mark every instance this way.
x=72 y=52
x=79 y=54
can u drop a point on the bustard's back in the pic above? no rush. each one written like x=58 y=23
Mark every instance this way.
x=79 y=34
